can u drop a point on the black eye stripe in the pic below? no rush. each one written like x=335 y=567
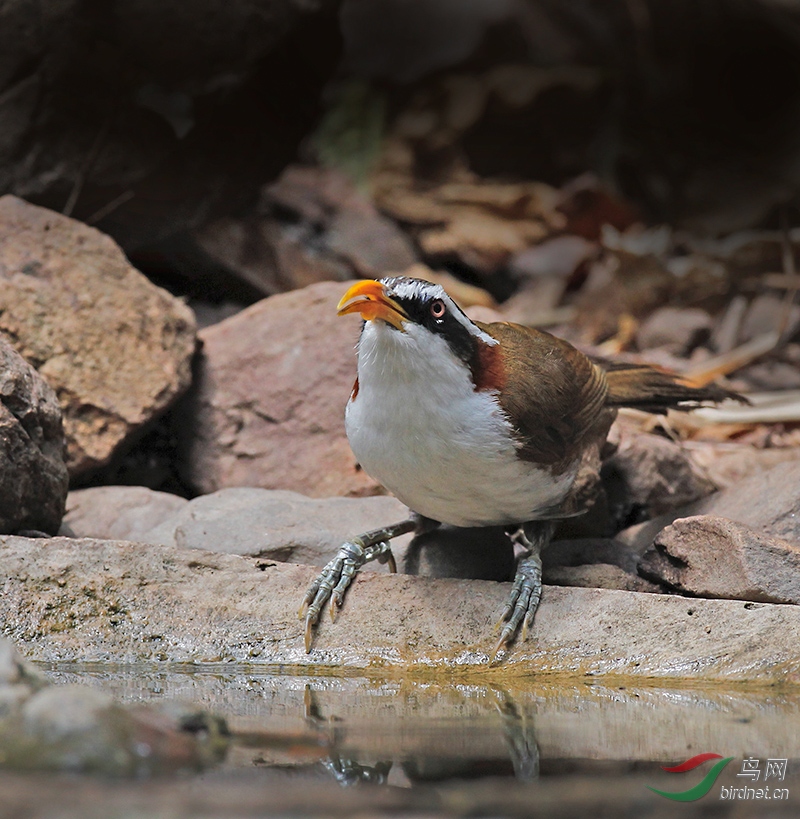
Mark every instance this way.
x=445 y=324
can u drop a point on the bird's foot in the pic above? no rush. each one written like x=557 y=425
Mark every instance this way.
x=526 y=591
x=332 y=583
x=522 y=602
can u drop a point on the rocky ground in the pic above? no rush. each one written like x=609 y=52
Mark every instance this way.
x=686 y=566
x=173 y=463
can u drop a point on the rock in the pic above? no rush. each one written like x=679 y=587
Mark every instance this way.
x=583 y=551
x=371 y=243
x=33 y=472
x=270 y=256
x=768 y=502
x=78 y=728
x=678 y=329
x=231 y=37
x=115 y=348
x=710 y=556
x=193 y=125
x=729 y=463
x=599 y=563
x=649 y=475
x=269 y=396
x=111 y=601
x=119 y=512
x=767 y=376
x=559 y=257
x=482 y=554
x=275 y=524
x=600 y=576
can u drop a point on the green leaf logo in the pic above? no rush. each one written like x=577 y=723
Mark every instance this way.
x=702 y=787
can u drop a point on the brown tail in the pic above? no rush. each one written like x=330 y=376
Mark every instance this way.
x=654 y=390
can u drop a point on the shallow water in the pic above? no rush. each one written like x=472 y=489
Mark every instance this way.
x=406 y=732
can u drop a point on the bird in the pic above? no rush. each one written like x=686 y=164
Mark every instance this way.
x=476 y=424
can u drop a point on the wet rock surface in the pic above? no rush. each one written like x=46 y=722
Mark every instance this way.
x=115 y=348
x=78 y=728
x=33 y=472
x=268 y=406
x=100 y=601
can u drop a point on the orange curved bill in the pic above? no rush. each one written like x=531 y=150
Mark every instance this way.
x=369 y=298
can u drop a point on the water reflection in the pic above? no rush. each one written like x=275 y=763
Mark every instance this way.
x=405 y=731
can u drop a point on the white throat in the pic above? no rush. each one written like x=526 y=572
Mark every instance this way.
x=444 y=449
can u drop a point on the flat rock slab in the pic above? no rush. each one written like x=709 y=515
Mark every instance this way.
x=116 y=349
x=268 y=523
x=111 y=601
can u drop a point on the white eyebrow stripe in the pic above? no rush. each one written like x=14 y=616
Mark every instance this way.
x=407 y=288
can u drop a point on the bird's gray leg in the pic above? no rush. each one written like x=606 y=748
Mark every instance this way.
x=337 y=575
x=527 y=588
x=520 y=736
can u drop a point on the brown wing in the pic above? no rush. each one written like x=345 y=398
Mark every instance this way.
x=552 y=393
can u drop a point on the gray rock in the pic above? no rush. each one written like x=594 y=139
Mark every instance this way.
x=93 y=600
x=371 y=243
x=600 y=563
x=33 y=472
x=269 y=396
x=119 y=512
x=728 y=463
x=78 y=728
x=115 y=348
x=652 y=475
x=768 y=502
x=715 y=557
x=275 y=524
x=600 y=576
x=764 y=315
x=583 y=551
x=678 y=329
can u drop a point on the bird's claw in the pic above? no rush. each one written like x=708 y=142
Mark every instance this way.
x=522 y=602
x=333 y=581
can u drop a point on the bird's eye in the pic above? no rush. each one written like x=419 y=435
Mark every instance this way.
x=437 y=308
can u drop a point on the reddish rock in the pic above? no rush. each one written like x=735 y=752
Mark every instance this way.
x=116 y=349
x=269 y=398
x=709 y=556
x=33 y=473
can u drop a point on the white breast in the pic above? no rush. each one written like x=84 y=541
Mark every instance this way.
x=419 y=427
